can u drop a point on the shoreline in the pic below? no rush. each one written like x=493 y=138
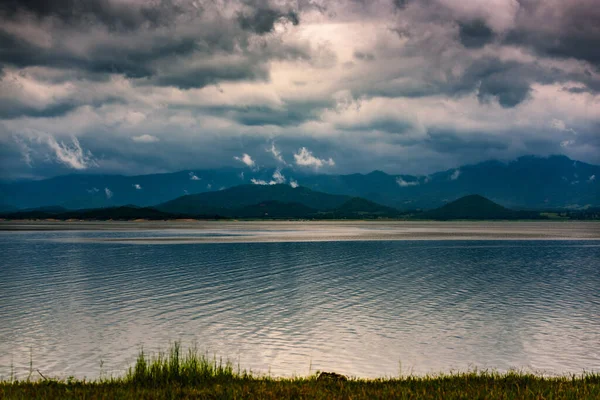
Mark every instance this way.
x=458 y=386
x=180 y=374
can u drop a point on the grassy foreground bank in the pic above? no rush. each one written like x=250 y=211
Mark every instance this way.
x=191 y=376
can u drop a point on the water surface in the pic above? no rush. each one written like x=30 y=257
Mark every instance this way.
x=79 y=303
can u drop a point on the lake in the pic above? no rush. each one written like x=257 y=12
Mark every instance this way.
x=362 y=299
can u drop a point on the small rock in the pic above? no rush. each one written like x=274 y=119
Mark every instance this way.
x=331 y=377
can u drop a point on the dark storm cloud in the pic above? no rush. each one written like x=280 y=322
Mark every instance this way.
x=449 y=141
x=15 y=104
x=577 y=90
x=475 y=33
x=107 y=58
x=260 y=116
x=114 y=15
x=576 y=36
x=148 y=50
x=569 y=29
x=507 y=82
x=508 y=91
x=292 y=113
x=198 y=77
x=13 y=108
x=250 y=64
x=100 y=59
x=460 y=81
x=555 y=28
x=385 y=124
x=262 y=20
x=510 y=81
x=9 y=110
x=363 y=56
x=564 y=44
x=400 y=4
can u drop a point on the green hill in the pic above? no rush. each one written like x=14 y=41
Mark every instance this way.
x=48 y=209
x=475 y=207
x=273 y=209
x=358 y=207
x=224 y=201
x=276 y=201
x=7 y=208
x=99 y=214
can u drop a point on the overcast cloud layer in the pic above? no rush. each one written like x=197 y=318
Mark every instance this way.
x=406 y=86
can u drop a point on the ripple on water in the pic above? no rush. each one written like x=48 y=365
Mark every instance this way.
x=360 y=308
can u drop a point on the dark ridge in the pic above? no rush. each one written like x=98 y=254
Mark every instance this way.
x=364 y=206
x=102 y=214
x=476 y=207
x=274 y=209
x=249 y=195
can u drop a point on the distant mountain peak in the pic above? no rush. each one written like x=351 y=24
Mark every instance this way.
x=377 y=172
x=474 y=198
x=473 y=206
x=528 y=182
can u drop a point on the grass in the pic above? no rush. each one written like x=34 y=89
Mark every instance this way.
x=179 y=375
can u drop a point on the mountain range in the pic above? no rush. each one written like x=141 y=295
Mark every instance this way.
x=281 y=201
x=244 y=201
x=529 y=182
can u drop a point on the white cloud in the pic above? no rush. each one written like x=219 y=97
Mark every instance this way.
x=246 y=159
x=560 y=125
x=305 y=158
x=566 y=143
x=592 y=178
x=278 y=179
x=73 y=156
x=137 y=186
x=276 y=153
x=193 y=176
x=93 y=190
x=404 y=183
x=209 y=186
x=145 y=138
x=278 y=176
x=293 y=183
x=25 y=150
x=108 y=193
x=455 y=175
x=134 y=118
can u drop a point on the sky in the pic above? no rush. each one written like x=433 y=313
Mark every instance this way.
x=341 y=86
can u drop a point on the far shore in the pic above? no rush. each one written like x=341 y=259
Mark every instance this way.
x=233 y=231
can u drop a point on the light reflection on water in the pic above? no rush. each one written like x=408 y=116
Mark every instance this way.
x=369 y=308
